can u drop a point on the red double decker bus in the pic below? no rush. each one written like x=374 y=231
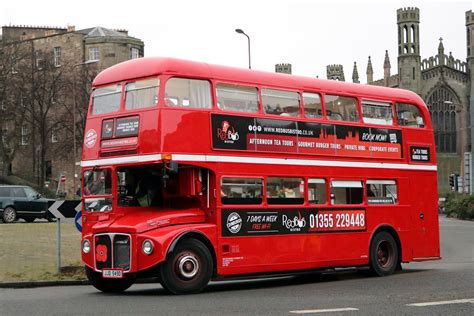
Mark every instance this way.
x=193 y=172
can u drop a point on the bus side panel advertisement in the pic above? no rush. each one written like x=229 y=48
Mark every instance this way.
x=270 y=135
x=254 y=222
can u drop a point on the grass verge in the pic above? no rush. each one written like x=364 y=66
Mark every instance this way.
x=28 y=252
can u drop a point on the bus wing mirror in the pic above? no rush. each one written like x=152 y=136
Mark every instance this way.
x=173 y=166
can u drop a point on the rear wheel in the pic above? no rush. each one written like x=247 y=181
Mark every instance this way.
x=384 y=257
x=189 y=268
x=108 y=285
x=9 y=215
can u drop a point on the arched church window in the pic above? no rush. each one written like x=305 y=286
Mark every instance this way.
x=443 y=104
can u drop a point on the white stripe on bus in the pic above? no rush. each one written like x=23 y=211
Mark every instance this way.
x=257 y=160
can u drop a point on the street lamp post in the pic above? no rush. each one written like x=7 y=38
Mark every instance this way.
x=248 y=38
x=88 y=62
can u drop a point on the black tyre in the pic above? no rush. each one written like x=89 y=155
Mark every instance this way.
x=9 y=215
x=188 y=269
x=384 y=258
x=108 y=285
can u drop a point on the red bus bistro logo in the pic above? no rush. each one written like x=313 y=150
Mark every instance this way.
x=294 y=224
x=234 y=222
x=91 y=138
x=227 y=133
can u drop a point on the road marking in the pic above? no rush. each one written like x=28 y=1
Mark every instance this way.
x=333 y=310
x=463 y=301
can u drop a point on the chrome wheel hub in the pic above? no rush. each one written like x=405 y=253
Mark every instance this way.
x=9 y=215
x=188 y=266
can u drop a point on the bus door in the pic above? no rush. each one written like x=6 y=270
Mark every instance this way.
x=424 y=211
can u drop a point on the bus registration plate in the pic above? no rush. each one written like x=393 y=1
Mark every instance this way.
x=112 y=273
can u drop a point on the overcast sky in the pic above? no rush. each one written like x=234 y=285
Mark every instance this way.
x=308 y=34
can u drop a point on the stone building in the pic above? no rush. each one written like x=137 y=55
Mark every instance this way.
x=78 y=52
x=445 y=83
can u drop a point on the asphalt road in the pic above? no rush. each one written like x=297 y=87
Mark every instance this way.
x=436 y=288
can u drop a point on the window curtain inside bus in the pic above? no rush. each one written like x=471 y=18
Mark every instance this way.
x=200 y=94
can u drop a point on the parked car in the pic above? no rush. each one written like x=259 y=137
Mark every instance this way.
x=22 y=202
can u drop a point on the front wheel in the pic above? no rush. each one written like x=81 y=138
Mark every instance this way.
x=383 y=254
x=189 y=268
x=108 y=285
x=9 y=215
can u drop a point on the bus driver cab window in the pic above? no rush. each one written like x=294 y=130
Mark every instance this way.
x=149 y=186
x=139 y=187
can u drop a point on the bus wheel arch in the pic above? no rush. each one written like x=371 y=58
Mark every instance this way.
x=385 y=251
x=190 y=264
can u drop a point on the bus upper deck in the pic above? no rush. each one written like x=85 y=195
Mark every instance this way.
x=171 y=102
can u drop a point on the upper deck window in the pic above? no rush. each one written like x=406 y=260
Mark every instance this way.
x=188 y=93
x=312 y=105
x=237 y=98
x=106 y=99
x=341 y=108
x=377 y=113
x=141 y=94
x=409 y=115
x=278 y=102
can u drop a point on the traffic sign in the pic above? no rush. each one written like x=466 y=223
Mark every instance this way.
x=78 y=221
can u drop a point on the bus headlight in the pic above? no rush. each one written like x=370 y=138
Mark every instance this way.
x=147 y=247
x=86 y=246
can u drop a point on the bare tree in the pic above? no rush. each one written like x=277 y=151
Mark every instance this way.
x=80 y=81
x=43 y=99
x=43 y=85
x=11 y=111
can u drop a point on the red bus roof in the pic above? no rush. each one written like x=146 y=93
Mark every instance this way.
x=152 y=66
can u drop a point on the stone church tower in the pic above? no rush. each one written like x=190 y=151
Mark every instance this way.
x=335 y=72
x=409 y=70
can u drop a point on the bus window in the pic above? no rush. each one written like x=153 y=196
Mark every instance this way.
x=106 y=99
x=237 y=98
x=317 y=191
x=346 y=192
x=97 y=182
x=285 y=190
x=409 y=115
x=312 y=105
x=377 y=113
x=280 y=102
x=140 y=186
x=141 y=94
x=188 y=93
x=340 y=108
x=382 y=192
x=241 y=190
